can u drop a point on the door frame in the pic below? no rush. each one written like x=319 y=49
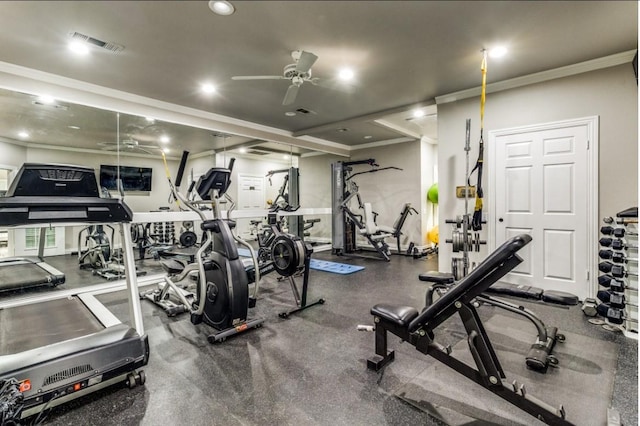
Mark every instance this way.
x=592 y=125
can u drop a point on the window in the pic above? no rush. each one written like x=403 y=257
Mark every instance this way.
x=32 y=238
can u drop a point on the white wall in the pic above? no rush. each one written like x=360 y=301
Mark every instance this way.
x=611 y=94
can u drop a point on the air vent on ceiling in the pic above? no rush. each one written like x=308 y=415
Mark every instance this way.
x=258 y=152
x=107 y=45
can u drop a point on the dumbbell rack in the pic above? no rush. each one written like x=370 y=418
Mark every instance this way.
x=618 y=265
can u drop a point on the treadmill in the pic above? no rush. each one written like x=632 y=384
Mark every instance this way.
x=29 y=271
x=57 y=350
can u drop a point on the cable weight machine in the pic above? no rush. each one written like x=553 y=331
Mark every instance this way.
x=462 y=239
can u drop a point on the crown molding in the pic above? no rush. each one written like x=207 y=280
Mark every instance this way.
x=569 y=70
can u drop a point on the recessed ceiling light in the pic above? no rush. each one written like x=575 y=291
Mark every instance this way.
x=368 y=137
x=344 y=129
x=46 y=99
x=164 y=139
x=208 y=88
x=242 y=150
x=417 y=113
x=221 y=7
x=166 y=150
x=346 y=74
x=290 y=114
x=79 y=47
x=498 y=52
x=23 y=134
x=73 y=127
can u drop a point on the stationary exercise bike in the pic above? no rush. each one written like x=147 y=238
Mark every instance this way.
x=221 y=299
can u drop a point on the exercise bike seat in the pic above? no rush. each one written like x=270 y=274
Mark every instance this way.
x=437 y=277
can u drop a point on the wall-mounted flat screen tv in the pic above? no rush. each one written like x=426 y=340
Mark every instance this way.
x=133 y=178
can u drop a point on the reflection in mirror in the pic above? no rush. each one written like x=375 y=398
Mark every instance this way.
x=36 y=128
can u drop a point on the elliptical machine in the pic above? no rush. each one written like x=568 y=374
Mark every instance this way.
x=222 y=295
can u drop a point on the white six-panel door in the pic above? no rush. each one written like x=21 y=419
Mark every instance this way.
x=542 y=187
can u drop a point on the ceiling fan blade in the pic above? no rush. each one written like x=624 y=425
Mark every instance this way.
x=306 y=61
x=291 y=94
x=258 y=77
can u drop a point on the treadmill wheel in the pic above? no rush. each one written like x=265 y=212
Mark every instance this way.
x=131 y=381
x=141 y=378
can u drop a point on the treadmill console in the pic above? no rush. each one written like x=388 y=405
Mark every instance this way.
x=41 y=180
x=54 y=193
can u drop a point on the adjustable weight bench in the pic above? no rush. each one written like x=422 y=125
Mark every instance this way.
x=416 y=328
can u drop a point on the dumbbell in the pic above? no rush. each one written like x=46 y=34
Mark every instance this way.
x=616 y=232
x=616 y=244
x=616 y=257
x=615 y=270
x=615 y=300
x=607 y=281
x=614 y=315
x=620 y=220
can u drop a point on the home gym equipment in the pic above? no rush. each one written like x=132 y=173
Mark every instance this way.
x=289 y=256
x=476 y=222
x=221 y=299
x=539 y=357
x=288 y=198
x=24 y=272
x=432 y=193
x=346 y=224
x=617 y=301
x=67 y=346
x=29 y=271
x=616 y=244
x=417 y=327
x=462 y=239
x=96 y=252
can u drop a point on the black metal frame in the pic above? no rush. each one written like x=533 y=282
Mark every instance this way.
x=417 y=330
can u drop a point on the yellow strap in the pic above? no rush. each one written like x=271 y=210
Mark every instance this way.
x=166 y=170
x=483 y=68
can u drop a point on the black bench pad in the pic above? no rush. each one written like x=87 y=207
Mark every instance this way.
x=559 y=297
x=399 y=315
x=437 y=277
x=524 y=291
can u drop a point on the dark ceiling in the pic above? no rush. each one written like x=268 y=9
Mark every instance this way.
x=403 y=53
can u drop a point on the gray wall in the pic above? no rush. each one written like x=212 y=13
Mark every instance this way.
x=611 y=94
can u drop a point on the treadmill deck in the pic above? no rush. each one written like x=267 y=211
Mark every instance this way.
x=40 y=324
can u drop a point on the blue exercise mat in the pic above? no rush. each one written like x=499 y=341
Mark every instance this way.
x=320 y=265
x=334 y=267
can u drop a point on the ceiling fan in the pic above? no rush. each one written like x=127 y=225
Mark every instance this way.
x=128 y=145
x=297 y=73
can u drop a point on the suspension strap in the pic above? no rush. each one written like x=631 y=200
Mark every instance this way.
x=476 y=221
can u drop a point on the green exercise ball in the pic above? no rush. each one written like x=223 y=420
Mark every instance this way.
x=432 y=193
